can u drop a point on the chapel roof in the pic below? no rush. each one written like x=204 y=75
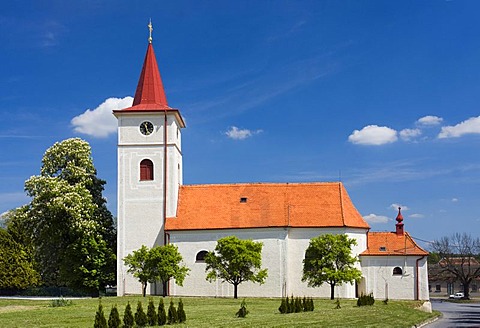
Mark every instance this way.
x=262 y=205
x=392 y=244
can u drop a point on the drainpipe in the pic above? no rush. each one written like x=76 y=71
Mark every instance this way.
x=164 y=175
x=417 y=280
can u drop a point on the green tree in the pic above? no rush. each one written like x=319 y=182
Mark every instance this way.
x=162 y=315
x=172 y=316
x=182 y=316
x=128 y=320
x=16 y=267
x=100 y=321
x=459 y=256
x=151 y=313
x=114 y=318
x=328 y=259
x=236 y=261
x=141 y=319
x=71 y=231
x=158 y=263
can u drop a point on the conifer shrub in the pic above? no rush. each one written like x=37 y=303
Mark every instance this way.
x=242 y=312
x=298 y=305
x=140 y=316
x=162 y=315
x=151 y=314
x=128 y=320
x=283 y=306
x=114 y=318
x=311 y=306
x=100 y=321
x=365 y=300
x=172 y=316
x=182 y=316
x=291 y=305
x=304 y=304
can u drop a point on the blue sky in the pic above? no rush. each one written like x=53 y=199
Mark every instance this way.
x=383 y=95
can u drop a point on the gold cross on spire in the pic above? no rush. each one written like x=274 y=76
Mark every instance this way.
x=150 y=28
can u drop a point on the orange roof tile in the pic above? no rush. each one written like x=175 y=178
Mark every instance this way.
x=259 y=205
x=389 y=243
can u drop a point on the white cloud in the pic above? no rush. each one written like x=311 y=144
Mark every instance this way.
x=373 y=218
x=408 y=134
x=454 y=200
x=100 y=122
x=240 y=134
x=430 y=120
x=395 y=207
x=416 y=216
x=373 y=135
x=470 y=126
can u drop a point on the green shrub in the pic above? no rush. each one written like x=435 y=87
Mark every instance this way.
x=100 y=321
x=114 y=318
x=298 y=305
x=162 y=315
x=128 y=320
x=291 y=305
x=172 y=316
x=182 y=316
x=283 y=307
x=242 y=312
x=140 y=316
x=364 y=300
x=151 y=314
x=59 y=302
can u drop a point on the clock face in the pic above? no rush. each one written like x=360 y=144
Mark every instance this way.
x=146 y=128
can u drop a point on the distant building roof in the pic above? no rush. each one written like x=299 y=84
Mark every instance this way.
x=261 y=205
x=392 y=244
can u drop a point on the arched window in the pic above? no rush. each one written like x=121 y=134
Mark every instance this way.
x=201 y=256
x=146 y=170
x=397 y=271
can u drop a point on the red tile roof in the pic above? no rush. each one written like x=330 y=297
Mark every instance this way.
x=259 y=205
x=389 y=243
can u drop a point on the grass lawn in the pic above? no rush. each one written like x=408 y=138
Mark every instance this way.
x=217 y=312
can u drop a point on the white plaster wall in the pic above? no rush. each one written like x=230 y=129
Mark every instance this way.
x=140 y=203
x=282 y=254
x=190 y=243
x=298 y=241
x=379 y=278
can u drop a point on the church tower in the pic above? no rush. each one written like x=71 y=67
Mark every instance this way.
x=149 y=169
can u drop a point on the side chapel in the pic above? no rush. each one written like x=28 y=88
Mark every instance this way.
x=155 y=208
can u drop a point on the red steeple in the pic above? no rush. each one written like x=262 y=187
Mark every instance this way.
x=150 y=94
x=399 y=225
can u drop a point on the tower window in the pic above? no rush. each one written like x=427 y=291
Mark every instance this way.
x=201 y=256
x=146 y=170
x=397 y=271
x=243 y=199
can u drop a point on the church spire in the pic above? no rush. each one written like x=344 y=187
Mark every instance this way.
x=399 y=225
x=150 y=94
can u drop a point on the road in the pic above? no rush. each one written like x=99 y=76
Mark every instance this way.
x=456 y=314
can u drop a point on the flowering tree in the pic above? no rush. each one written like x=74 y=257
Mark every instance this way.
x=71 y=230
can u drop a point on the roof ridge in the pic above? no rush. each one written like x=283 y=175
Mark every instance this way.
x=260 y=184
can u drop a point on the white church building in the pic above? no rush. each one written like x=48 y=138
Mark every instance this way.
x=155 y=208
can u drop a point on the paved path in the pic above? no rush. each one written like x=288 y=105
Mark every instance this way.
x=456 y=314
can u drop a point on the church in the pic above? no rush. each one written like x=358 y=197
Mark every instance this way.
x=156 y=208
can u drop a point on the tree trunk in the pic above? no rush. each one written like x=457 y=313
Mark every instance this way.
x=466 y=293
x=165 y=288
x=235 y=289
x=144 y=289
x=332 y=291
